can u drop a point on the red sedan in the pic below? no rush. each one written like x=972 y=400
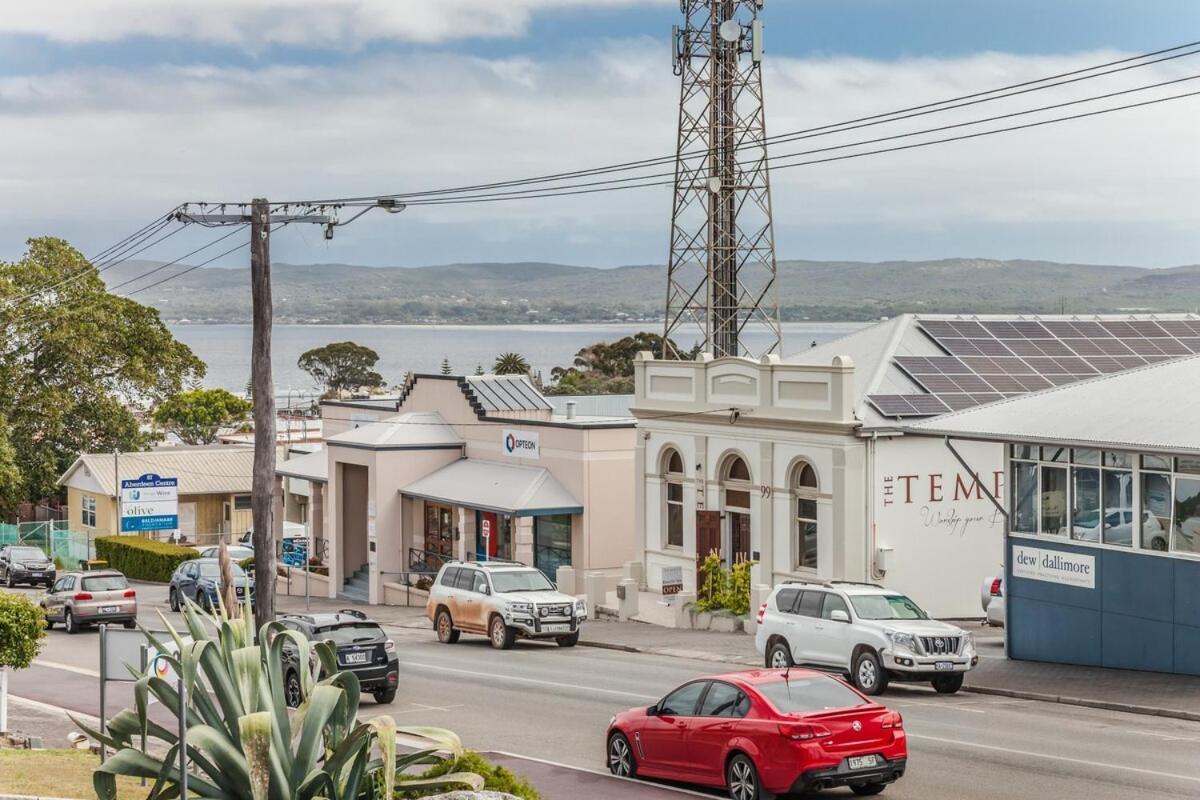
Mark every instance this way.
x=762 y=733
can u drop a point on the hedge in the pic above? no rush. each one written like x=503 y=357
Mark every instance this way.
x=143 y=559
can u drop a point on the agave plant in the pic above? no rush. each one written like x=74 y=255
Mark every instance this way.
x=241 y=740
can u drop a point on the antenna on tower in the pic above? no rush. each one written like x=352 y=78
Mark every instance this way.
x=721 y=277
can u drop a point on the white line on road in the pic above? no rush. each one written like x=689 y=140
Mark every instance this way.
x=52 y=709
x=91 y=673
x=534 y=681
x=1067 y=759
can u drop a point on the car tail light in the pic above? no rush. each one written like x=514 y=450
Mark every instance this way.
x=762 y=610
x=892 y=719
x=389 y=646
x=996 y=592
x=130 y=593
x=83 y=595
x=803 y=731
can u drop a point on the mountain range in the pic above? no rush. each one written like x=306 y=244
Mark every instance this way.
x=539 y=292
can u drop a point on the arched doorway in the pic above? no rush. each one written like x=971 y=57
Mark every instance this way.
x=736 y=488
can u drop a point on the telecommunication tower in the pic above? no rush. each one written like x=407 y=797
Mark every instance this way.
x=721 y=272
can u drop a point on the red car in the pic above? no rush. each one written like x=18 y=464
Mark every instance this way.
x=762 y=733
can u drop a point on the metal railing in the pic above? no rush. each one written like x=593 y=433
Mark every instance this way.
x=428 y=561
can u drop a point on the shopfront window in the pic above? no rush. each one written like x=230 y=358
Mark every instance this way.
x=1185 y=535
x=1156 y=510
x=1024 y=497
x=804 y=487
x=552 y=543
x=673 y=490
x=493 y=537
x=736 y=489
x=1054 y=500
x=1118 y=507
x=1085 y=513
x=439 y=534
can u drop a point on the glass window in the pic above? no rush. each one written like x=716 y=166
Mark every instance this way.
x=350 y=633
x=1085 y=514
x=211 y=569
x=785 y=600
x=1185 y=535
x=520 y=580
x=1161 y=463
x=89 y=511
x=1026 y=452
x=723 y=700
x=1113 y=459
x=736 y=499
x=796 y=694
x=1054 y=500
x=833 y=603
x=675 y=515
x=738 y=471
x=1191 y=465
x=1056 y=454
x=675 y=463
x=886 y=606
x=807 y=477
x=810 y=604
x=1118 y=507
x=1024 y=497
x=480 y=583
x=104 y=583
x=242 y=502
x=682 y=702
x=450 y=576
x=466 y=580
x=552 y=543
x=1156 y=511
x=1089 y=457
x=806 y=533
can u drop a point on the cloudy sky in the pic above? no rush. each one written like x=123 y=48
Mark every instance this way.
x=113 y=111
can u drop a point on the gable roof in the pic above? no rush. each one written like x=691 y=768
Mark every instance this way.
x=219 y=469
x=412 y=431
x=1152 y=408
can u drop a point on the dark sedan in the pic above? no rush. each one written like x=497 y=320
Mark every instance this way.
x=24 y=564
x=199 y=580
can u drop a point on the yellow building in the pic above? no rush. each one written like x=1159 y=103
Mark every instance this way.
x=214 y=489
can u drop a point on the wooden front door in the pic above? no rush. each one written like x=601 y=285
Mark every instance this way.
x=708 y=539
x=739 y=536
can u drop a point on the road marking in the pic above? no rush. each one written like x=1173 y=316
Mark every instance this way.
x=533 y=681
x=40 y=706
x=604 y=773
x=1067 y=759
x=91 y=673
x=1169 y=737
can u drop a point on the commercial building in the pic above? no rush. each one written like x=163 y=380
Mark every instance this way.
x=466 y=467
x=1102 y=544
x=806 y=464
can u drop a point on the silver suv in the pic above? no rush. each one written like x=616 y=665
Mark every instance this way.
x=504 y=601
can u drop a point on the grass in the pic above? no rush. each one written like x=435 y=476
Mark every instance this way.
x=57 y=773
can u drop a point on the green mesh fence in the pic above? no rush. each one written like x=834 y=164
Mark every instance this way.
x=55 y=538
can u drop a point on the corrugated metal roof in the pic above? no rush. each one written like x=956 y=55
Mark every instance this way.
x=593 y=405
x=492 y=486
x=412 y=430
x=1153 y=408
x=224 y=469
x=507 y=393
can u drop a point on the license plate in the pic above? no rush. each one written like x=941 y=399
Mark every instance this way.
x=356 y=658
x=109 y=609
x=36 y=574
x=860 y=762
x=559 y=628
x=943 y=666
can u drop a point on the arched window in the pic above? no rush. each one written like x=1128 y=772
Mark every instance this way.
x=804 y=492
x=672 y=469
x=736 y=492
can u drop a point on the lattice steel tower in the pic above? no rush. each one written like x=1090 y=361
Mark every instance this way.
x=721 y=271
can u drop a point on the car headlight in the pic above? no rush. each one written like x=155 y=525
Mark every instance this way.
x=901 y=639
x=581 y=608
x=968 y=640
x=526 y=608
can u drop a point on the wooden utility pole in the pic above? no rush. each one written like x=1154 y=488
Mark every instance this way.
x=262 y=498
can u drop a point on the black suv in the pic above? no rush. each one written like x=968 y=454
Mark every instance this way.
x=362 y=648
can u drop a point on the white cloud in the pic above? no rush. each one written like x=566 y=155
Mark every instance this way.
x=134 y=143
x=253 y=23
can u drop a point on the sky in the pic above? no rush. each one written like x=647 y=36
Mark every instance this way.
x=114 y=111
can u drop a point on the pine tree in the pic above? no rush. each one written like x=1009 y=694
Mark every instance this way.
x=446 y=365
x=479 y=369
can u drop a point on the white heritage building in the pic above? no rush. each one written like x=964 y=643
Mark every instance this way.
x=800 y=465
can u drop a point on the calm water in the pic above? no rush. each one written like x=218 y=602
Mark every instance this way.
x=226 y=348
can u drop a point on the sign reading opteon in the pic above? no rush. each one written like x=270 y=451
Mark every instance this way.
x=520 y=444
x=149 y=503
x=1054 y=566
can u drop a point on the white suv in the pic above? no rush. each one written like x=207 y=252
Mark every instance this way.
x=871 y=634
x=502 y=600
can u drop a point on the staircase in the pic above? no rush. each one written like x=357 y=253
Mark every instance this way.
x=357 y=587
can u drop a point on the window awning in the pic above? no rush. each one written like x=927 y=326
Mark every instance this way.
x=492 y=486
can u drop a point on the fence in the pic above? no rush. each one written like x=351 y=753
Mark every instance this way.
x=54 y=538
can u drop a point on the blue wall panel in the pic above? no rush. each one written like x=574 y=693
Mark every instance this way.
x=1187 y=650
x=1187 y=593
x=1062 y=633
x=1137 y=586
x=1132 y=643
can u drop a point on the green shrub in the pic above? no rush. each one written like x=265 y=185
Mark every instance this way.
x=143 y=559
x=247 y=563
x=22 y=628
x=725 y=589
x=424 y=583
x=495 y=777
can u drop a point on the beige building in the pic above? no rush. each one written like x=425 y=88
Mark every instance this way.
x=214 y=489
x=475 y=467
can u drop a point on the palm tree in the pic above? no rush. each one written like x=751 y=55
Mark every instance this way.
x=511 y=364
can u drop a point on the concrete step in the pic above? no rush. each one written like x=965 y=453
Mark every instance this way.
x=353 y=594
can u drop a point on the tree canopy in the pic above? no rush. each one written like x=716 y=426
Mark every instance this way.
x=606 y=367
x=342 y=366
x=74 y=362
x=198 y=416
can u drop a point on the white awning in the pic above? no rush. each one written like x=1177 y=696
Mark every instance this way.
x=492 y=486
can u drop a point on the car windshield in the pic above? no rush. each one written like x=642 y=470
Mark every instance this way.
x=211 y=569
x=105 y=583
x=27 y=554
x=886 y=606
x=350 y=633
x=521 y=580
x=804 y=694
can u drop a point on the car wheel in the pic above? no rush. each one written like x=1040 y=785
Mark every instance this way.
x=620 y=757
x=446 y=632
x=384 y=697
x=8 y=581
x=779 y=656
x=568 y=641
x=69 y=622
x=291 y=690
x=948 y=684
x=173 y=600
x=869 y=675
x=866 y=789
x=742 y=779
x=1158 y=543
x=502 y=636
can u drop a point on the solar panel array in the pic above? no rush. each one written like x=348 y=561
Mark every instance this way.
x=989 y=360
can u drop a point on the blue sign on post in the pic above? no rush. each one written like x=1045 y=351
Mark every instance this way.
x=295 y=552
x=149 y=503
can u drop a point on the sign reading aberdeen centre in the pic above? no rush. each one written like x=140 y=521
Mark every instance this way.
x=149 y=503
x=1054 y=566
x=520 y=444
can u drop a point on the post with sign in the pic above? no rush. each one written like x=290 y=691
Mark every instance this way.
x=149 y=503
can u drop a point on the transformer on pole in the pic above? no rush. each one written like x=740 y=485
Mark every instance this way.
x=721 y=272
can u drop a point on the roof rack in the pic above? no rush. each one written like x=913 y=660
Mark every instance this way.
x=803 y=582
x=855 y=583
x=352 y=612
x=306 y=617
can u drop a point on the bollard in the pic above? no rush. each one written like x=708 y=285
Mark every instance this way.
x=683 y=614
x=627 y=599
x=594 y=585
x=635 y=571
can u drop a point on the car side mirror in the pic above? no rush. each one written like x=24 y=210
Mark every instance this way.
x=837 y=615
x=652 y=711
x=485 y=590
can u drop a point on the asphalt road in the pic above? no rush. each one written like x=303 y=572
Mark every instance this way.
x=548 y=703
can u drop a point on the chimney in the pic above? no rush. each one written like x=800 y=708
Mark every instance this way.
x=570 y=409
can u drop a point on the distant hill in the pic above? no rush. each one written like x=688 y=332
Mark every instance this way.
x=537 y=292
